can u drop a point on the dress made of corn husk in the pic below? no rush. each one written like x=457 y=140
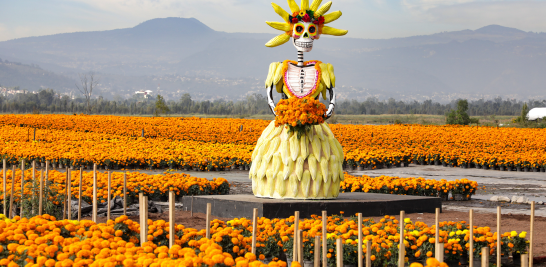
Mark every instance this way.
x=308 y=167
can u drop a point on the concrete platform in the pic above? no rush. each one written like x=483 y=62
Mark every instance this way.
x=369 y=204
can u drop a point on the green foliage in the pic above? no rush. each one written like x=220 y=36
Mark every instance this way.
x=52 y=200
x=523 y=119
x=160 y=106
x=459 y=116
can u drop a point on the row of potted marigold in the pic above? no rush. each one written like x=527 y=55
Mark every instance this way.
x=43 y=241
x=459 y=189
x=155 y=186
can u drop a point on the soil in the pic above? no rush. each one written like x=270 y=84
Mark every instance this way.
x=238 y=188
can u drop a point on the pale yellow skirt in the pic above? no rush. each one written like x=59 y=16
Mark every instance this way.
x=285 y=166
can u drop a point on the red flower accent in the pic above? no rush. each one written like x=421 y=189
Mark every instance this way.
x=306 y=18
x=315 y=21
x=294 y=20
x=321 y=20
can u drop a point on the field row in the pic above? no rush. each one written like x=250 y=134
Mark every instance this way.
x=44 y=241
x=211 y=144
x=460 y=189
x=155 y=186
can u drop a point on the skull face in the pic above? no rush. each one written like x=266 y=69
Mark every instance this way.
x=303 y=34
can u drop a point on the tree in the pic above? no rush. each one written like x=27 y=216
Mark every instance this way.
x=186 y=103
x=160 y=106
x=459 y=116
x=524 y=113
x=87 y=86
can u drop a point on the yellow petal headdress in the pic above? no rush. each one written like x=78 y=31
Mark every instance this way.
x=317 y=15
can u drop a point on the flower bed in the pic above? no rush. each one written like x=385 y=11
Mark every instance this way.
x=218 y=143
x=408 y=186
x=155 y=186
x=44 y=240
x=69 y=148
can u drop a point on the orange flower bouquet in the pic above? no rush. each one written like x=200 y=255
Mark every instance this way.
x=299 y=113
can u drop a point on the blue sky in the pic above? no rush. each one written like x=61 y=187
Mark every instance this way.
x=363 y=18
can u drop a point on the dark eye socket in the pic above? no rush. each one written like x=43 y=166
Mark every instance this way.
x=299 y=28
x=312 y=29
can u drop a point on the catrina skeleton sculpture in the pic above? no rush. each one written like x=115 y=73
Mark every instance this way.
x=308 y=165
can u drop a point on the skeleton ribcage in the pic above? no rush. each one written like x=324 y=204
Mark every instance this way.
x=301 y=81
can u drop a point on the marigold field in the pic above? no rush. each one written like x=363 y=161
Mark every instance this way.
x=211 y=144
x=44 y=241
x=216 y=144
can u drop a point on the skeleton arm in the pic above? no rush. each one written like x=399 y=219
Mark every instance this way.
x=328 y=83
x=273 y=79
x=332 y=104
x=270 y=101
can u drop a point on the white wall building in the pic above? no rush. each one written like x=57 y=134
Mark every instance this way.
x=145 y=93
x=536 y=113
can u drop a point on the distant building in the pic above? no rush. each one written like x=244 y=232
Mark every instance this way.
x=145 y=94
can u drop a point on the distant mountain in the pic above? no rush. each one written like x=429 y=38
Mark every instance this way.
x=169 y=52
x=31 y=77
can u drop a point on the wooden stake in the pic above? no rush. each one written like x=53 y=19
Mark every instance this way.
x=485 y=257
x=437 y=235
x=191 y=207
x=65 y=193
x=368 y=253
x=525 y=260
x=33 y=182
x=254 y=230
x=209 y=208
x=11 y=209
x=339 y=253
x=324 y=238
x=22 y=186
x=300 y=246
x=41 y=194
x=531 y=234
x=125 y=194
x=143 y=207
x=171 y=217
x=359 y=245
x=108 y=199
x=402 y=249
x=441 y=247
x=295 y=242
x=46 y=177
x=498 y=236
x=94 y=216
x=316 y=252
x=471 y=240
x=69 y=194
x=80 y=195
x=4 y=185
